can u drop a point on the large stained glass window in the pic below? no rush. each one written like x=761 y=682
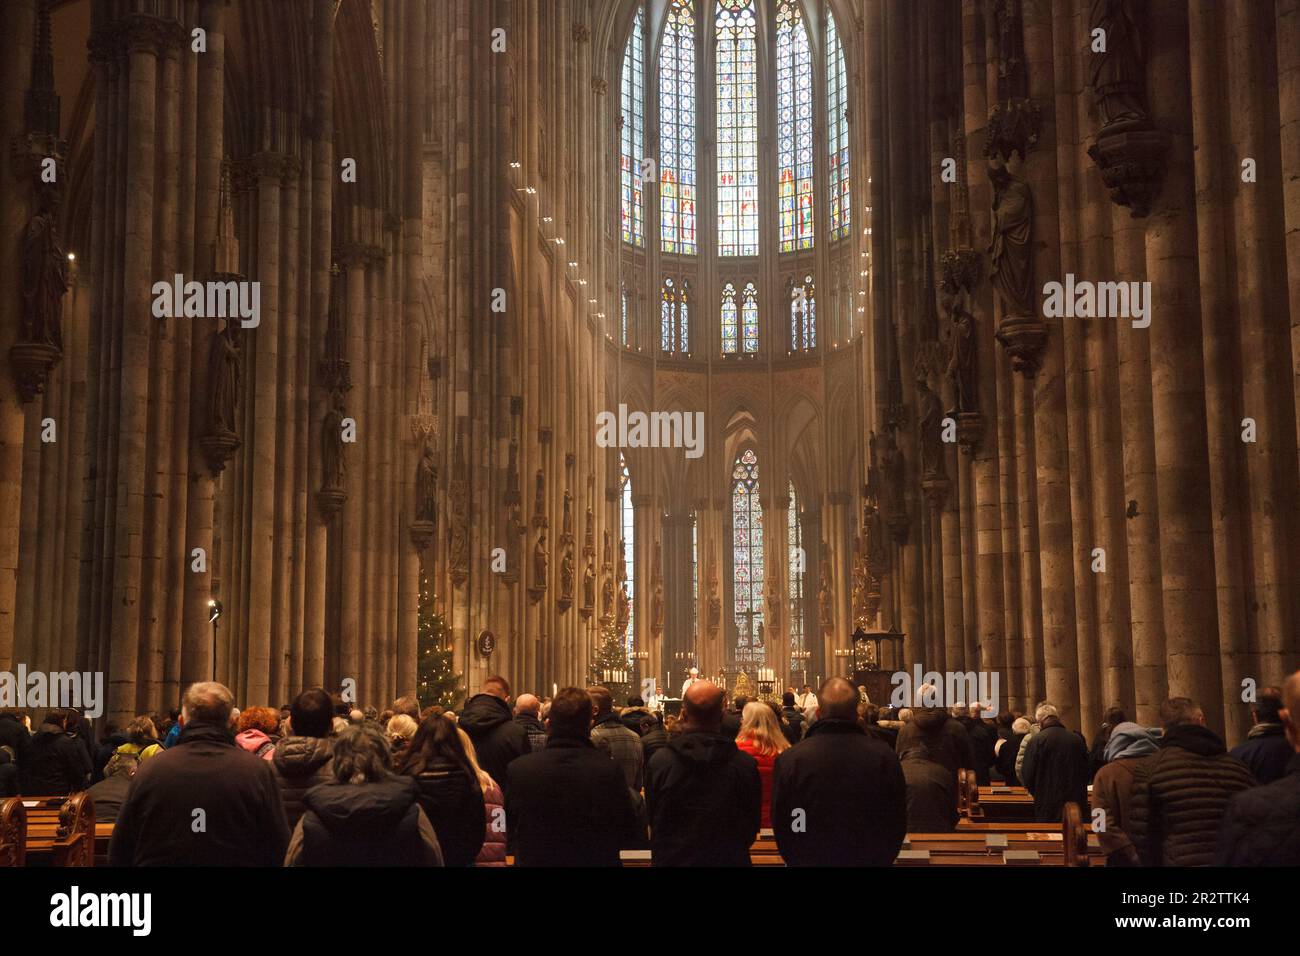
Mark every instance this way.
x=794 y=127
x=633 y=134
x=747 y=559
x=803 y=315
x=674 y=317
x=677 y=130
x=749 y=319
x=798 y=563
x=737 y=127
x=837 y=132
x=627 y=543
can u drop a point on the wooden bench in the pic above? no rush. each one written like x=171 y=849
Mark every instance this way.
x=61 y=831
x=13 y=832
x=993 y=803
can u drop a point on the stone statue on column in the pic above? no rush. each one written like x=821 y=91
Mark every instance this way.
x=45 y=276
x=426 y=486
x=224 y=372
x=931 y=422
x=1117 y=71
x=624 y=610
x=334 y=464
x=568 y=578
x=826 y=600
x=541 y=561
x=589 y=587
x=1011 y=250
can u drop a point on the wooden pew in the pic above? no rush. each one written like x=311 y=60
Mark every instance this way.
x=61 y=831
x=1071 y=844
x=13 y=832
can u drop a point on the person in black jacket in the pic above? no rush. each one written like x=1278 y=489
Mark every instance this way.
x=301 y=759
x=449 y=791
x=109 y=794
x=839 y=797
x=497 y=738
x=366 y=816
x=1055 y=770
x=731 y=720
x=55 y=764
x=1266 y=751
x=795 y=722
x=703 y=794
x=982 y=738
x=568 y=804
x=931 y=793
x=1260 y=825
x=1113 y=717
x=8 y=772
x=242 y=814
x=14 y=734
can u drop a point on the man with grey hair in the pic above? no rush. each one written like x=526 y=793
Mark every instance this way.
x=204 y=802
x=1055 y=768
x=1259 y=826
x=1181 y=791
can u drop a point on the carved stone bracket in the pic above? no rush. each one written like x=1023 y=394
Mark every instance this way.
x=970 y=431
x=422 y=534
x=329 y=502
x=32 y=363
x=1131 y=162
x=1025 y=340
x=936 y=489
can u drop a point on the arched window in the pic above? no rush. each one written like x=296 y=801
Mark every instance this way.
x=633 y=134
x=730 y=319
x=674 y=317
x=737 y=128
x=837 y=132
x=794 y=127
x=628 y=544
x=749 y=319
x=797 y=566
x=677 y=130
x=803 y=315
x=747 y=559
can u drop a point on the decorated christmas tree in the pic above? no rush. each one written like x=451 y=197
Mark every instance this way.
x=609 y=663
x=436 y=679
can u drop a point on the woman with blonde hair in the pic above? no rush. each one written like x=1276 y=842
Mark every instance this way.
x=494 y=840
x=763 y=739
x=400 y=729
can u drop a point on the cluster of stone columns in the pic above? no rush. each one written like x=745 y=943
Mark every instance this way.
x=1124 y=526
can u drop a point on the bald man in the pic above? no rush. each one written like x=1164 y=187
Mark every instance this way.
x=838 y=796
x=528 y=716
x=703 y=794
x=1259 y=827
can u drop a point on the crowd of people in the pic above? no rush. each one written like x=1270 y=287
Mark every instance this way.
x=574 y=780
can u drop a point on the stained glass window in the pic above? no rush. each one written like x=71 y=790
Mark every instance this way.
x=633 y=134
x=730 y=323
x=674 y=317
x=749 y=318
x=798 y=563
x=837 y=132
x=737 y=128
x=627 y=543
x=677 y=130
x=803 y=315
x=794 y=127
x=747 y=559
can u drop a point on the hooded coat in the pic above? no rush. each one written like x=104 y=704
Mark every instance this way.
x=1180 y=794
x=54 y=765
x=377 y=823
x=1112 y=788
x=704 y=801
x=498 y=738
x=943 y=736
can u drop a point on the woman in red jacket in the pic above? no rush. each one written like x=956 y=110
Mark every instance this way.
x=494 y=840
x=762 y=738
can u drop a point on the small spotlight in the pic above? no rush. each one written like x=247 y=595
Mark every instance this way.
x=214 y=610
x=72 y=257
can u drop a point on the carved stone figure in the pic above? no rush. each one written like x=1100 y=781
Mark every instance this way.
x=568 y=513
x=624 y=608
x=657 y=607
x=962 y=363
x=1011 y=251
x=539 y=497
x=607 y=598
x=1117 y=74
x=45 y=277
x=459 y=554
x=224 y=372
x=426 y=486
x=930 y=419
x=589 y=584
x=333 y=464
x=541 y=561
x=826 y=603
x=567 y=575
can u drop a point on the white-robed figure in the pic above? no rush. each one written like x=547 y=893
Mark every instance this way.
x=693 y=679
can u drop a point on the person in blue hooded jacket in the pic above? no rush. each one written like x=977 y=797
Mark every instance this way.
x=1112 y=789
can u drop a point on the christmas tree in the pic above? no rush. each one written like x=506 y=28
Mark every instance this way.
x=611 y=657
x=436 y=679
